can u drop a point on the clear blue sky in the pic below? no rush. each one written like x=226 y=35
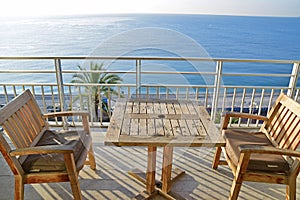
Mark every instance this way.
x=220 y=7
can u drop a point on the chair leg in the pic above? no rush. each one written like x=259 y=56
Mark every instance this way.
x=75 y=187
x=73 y=176
x=217 y=158
x=291 y=189
x=235 y=189
x=91 y=157
x=19 y=188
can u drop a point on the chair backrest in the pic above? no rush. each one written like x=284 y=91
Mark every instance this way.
x=22 y=120
x=283 y=127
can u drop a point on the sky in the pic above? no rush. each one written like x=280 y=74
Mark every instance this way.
x=28 y=8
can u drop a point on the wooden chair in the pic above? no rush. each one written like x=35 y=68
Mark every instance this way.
x=268 y=155
x=36 y=154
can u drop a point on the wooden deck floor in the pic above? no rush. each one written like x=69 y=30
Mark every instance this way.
x=111 y=180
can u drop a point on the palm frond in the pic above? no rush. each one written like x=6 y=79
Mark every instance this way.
x=102 y=77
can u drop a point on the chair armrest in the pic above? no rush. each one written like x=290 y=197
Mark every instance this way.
x=84 y=114
x=245 y=115
x=50 y=149
x=247 y=148
x=66 y=113
x=227 y=115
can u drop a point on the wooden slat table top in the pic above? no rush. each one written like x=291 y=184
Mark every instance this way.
x=158 y=122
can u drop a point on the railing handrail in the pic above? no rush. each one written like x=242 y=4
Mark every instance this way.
x=148 y=58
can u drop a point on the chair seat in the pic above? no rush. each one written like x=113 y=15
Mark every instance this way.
x=258 y=162
x=55 y=162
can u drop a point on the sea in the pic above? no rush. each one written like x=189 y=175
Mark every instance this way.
x=153 y=35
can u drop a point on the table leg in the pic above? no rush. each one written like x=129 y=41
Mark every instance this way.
x=151 y=167
x=167 y=169
x=168 y=176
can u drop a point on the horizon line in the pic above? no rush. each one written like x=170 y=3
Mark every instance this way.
x=145 y=13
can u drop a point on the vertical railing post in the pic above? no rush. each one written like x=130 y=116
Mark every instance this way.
x=217 y=82
x=138 y=77
x=293 y=79
x=60 y=86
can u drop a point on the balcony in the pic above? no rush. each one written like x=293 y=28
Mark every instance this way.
x=111 y=181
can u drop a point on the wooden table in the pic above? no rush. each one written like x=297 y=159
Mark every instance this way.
x=161 y=123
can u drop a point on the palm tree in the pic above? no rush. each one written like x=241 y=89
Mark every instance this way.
x=94 y=92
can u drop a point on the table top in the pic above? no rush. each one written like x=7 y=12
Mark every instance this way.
x=160 y=122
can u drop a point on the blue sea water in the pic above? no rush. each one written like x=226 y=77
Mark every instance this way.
x=164 y=35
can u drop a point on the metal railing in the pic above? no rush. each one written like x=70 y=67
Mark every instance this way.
x=214 y=91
